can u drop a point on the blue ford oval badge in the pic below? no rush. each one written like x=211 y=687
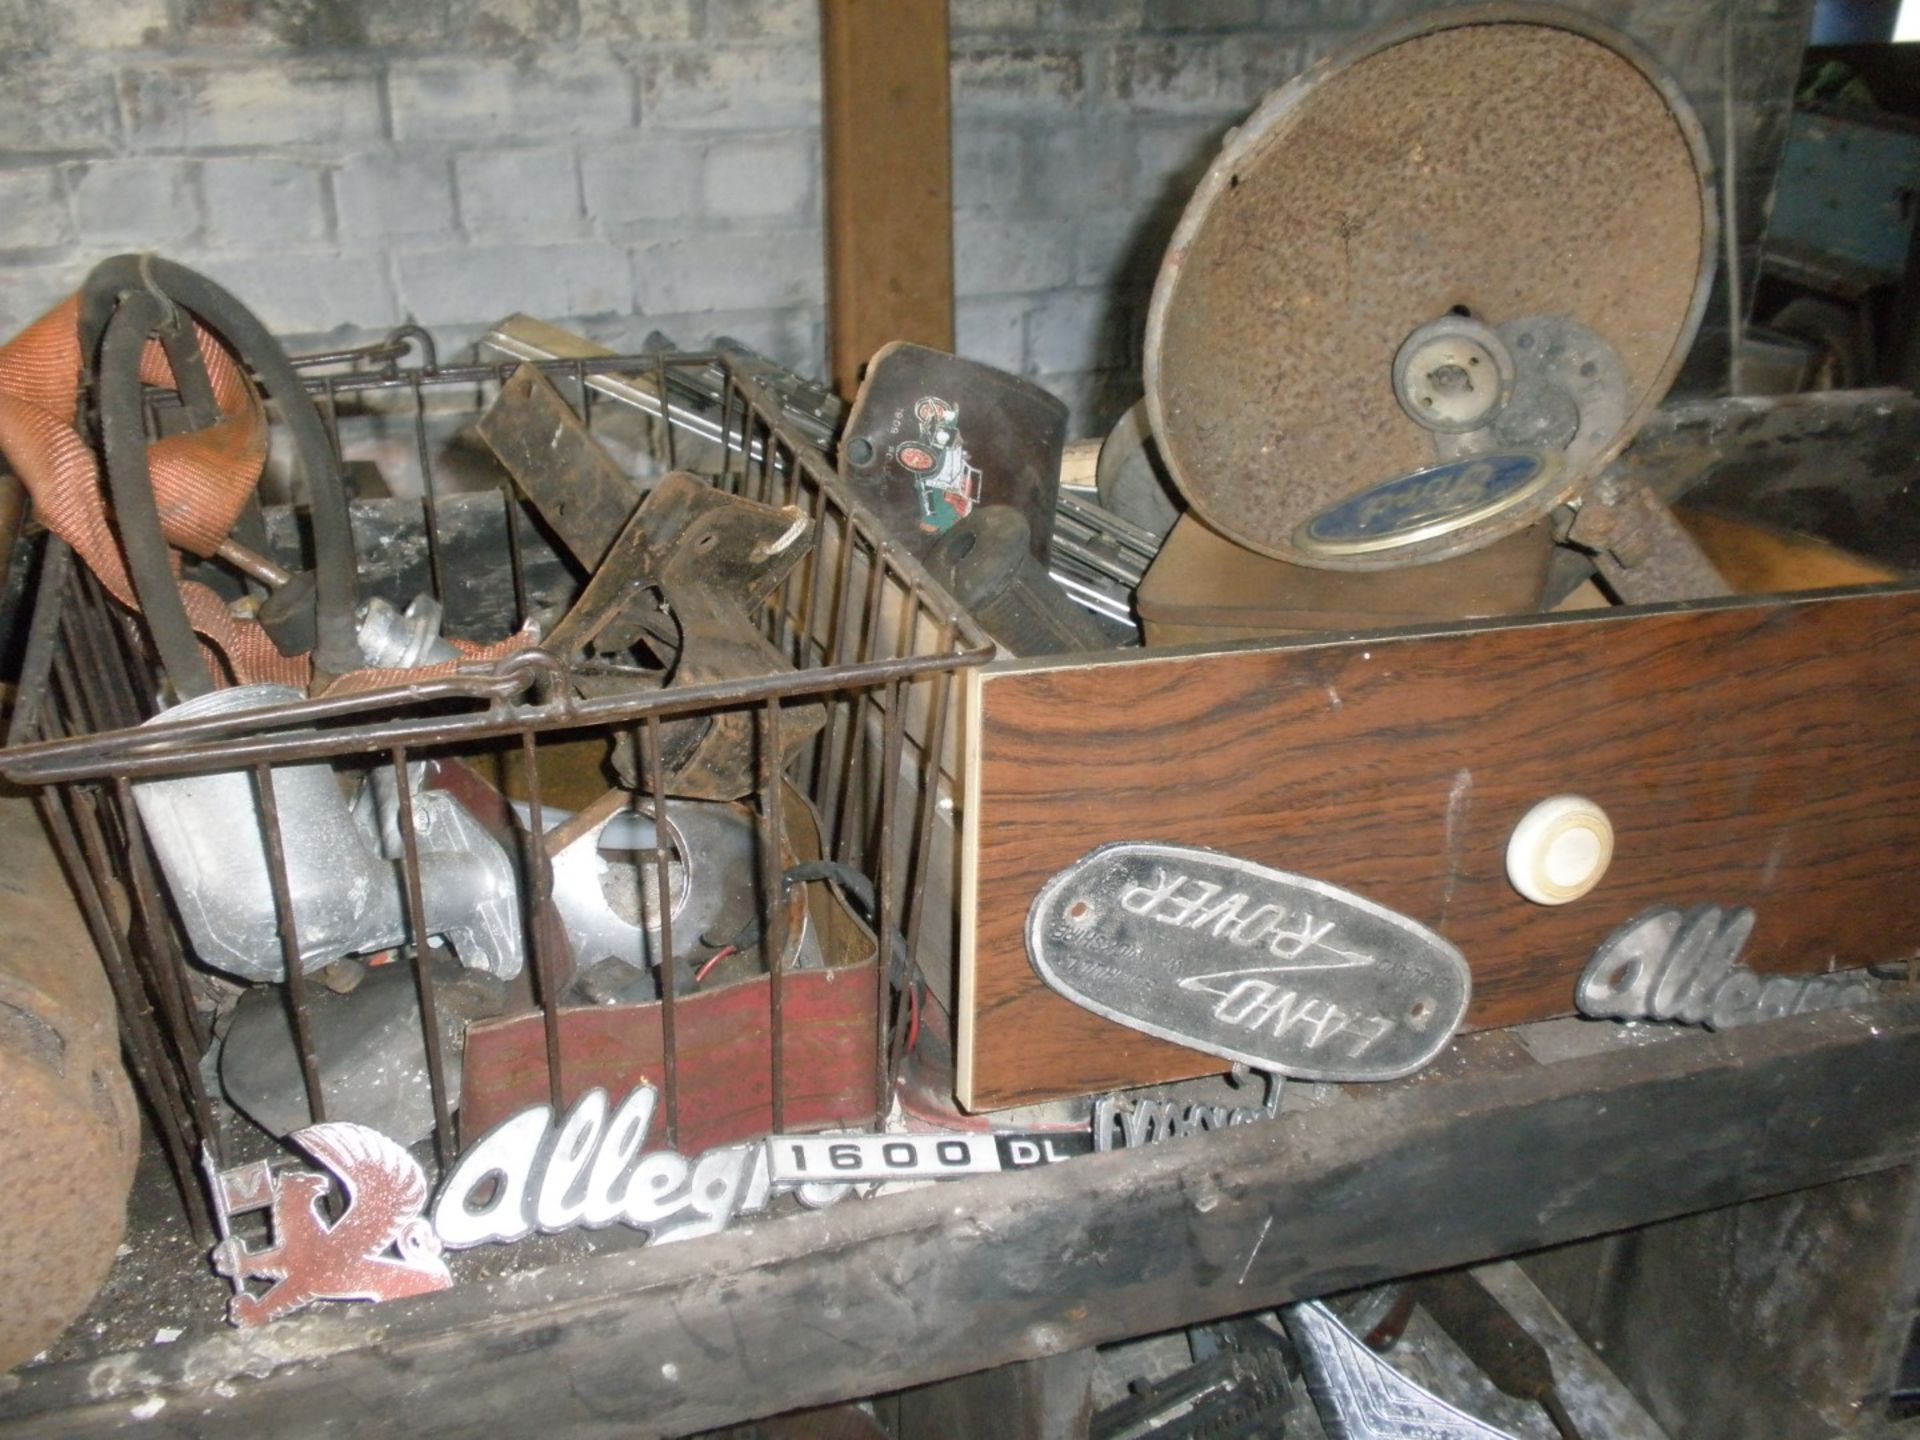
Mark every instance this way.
x=1429 y=502
x=1279 y=971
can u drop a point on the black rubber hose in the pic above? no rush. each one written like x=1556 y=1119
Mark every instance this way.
x=189 y=368
x=123 y=436
x=336 y=649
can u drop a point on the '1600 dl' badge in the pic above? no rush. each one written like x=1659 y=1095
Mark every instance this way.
x=1280 y=971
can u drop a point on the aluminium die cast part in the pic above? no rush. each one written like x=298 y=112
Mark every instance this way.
x=394 y=640
x=1682 y=965
x=377 y=1069
x=1359 y=1396
x=347 y=893
x=1277 y=971
x=610 y=905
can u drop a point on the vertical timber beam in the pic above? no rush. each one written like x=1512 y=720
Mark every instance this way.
x=889 y=179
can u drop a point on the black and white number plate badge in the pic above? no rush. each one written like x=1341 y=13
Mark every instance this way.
x=807 y=1159
x=1279 y=971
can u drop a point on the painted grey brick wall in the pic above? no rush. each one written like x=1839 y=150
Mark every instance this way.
x=346 y=164
x=632 y=164
x=1081 y=127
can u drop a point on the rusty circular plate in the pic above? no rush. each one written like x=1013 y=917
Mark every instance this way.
x=1495 y=161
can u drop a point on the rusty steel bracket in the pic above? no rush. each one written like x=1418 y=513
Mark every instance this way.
x=711 y=559
x=558 y=466
x=687 y=568
x=1642 y=552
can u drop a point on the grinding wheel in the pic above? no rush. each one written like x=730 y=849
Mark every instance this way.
x=69 y=1132
x=1490 y=183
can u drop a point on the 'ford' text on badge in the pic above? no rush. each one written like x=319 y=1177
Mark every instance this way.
x=1282 y=972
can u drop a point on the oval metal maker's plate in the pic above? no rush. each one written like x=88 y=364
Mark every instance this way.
x=1429 y=502
x=1282 y=972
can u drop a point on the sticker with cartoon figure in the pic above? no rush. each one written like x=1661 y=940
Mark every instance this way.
x=945 y=482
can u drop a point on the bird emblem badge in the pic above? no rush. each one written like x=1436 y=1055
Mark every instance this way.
x=379 y=1248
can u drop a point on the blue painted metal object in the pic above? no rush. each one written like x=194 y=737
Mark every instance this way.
x=1845 y=201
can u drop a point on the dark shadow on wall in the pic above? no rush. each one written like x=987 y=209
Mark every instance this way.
x=1129 y=286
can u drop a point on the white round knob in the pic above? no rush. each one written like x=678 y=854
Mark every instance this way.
x=1560 y=849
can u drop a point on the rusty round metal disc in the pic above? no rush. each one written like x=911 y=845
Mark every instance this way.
x=69 y=1131
x=1497 y=161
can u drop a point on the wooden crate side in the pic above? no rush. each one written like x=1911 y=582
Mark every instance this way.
x=1757 y=752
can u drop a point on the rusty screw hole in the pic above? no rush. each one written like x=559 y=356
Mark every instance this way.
x=707 y=541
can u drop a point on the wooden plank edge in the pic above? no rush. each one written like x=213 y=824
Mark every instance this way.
x=1611 y=615
x=810 y=1309
x=964 y=994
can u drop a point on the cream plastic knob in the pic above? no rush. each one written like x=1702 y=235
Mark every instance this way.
x=1560 y=849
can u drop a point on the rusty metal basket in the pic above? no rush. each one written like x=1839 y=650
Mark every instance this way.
x=870 y=637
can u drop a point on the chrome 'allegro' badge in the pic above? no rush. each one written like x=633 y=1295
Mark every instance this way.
x=1279 y=971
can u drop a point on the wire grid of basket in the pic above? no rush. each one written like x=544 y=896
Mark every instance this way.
x=869 y=635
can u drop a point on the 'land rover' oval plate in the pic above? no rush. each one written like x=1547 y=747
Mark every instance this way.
x=1282 y=972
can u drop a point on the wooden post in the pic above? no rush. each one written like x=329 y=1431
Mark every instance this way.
x=889 y=179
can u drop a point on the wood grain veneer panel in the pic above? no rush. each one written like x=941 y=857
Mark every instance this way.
x=1764 y=753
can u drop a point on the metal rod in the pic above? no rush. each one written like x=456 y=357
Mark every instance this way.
x=762 y=464
x=840 y=617
x=79 y=695
x=145 y=878
x=163 y=978
x=1091 y=597
x=296 y=982
x=1091 y=519
x=429 y=497
x=883 y=925
x=100 y=636
x=85 y=874
x=810 y=588
x=932 y=766
x=177 y=746
x=253 y=563
x=422 y=965
x=540 y=866
x=773 y=928
x=665 y=412
x=50 y=598
x=669 y=1044
x=516 y=557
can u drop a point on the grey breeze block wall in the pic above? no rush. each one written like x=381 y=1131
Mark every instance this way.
x=624 y=165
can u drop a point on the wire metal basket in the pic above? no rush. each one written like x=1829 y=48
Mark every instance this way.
x=871 y=639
